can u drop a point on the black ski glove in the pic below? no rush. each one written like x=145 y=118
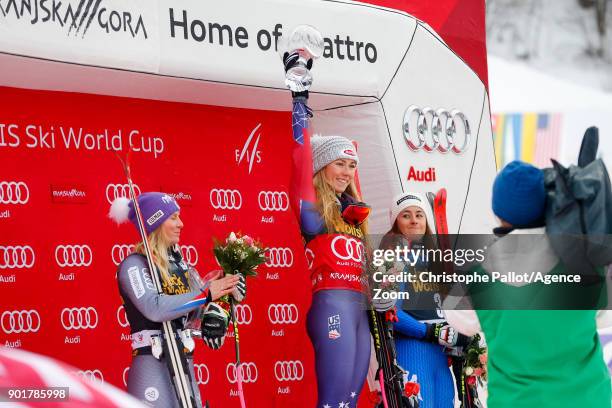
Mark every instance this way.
x=214 y=326
x=444 y=335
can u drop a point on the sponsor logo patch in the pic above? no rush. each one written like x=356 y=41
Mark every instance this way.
x=136 y=282
x=333 y=326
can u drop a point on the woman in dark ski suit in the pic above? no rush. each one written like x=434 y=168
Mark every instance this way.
x=185 y=295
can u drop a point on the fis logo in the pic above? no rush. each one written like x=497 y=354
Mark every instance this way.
x=249 y=153
x=333 y=326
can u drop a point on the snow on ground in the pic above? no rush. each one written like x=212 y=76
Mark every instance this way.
x=557 y=37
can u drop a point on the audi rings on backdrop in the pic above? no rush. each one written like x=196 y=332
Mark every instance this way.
x=76 y=318
x=16 y=256
x=429 y=130
x=125 y=374
x=14 y=192
x=283 y=313
x=279 y=257
x=20 y=321
x=273 y=200
x=73 y=255
x=243 y=313
x=248 y=370
x=190 y=254
x=122 y=317
x=120 y=251
x=223 y=199
x=289 y=370
x=202 y=375
x=119 y=190
x=94 y=376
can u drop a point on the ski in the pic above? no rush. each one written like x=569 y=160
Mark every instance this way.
x=439 y=210
x=468 y=396
x=174 y=353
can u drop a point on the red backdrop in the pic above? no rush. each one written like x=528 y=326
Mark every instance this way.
x=58 y=249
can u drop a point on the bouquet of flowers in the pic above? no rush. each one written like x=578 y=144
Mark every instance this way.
x=239 y=254
x=475 y=366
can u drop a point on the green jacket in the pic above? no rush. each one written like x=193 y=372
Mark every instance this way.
x=537 y=358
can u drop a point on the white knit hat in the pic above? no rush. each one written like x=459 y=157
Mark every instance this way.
x=409 y=199
x=326 y=149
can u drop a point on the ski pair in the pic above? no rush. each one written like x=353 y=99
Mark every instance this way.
x=467 y=395
x=390 y=376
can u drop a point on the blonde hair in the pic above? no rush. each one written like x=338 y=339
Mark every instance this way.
x=327 y=201
x=159 y=250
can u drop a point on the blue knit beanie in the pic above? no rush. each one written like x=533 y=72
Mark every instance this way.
x=519 y=196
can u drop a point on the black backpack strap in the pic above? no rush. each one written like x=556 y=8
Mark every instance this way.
x=588 y=148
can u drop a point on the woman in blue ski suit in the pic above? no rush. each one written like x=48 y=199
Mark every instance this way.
x=421 y=333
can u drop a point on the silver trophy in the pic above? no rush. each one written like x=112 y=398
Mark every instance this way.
x=308 y=43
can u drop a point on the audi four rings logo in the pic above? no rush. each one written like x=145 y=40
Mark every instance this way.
x=202 y=374
x=91 y=375
x=279 y=258
x=273 y=200
x=73 y=255
x=119 y=190
x=221 y=199
x=190 y=254
x=76 y=318
x=347 y=248
x=14 y=192
x=20 y=321
x=283 y=313
x=248 y=372
x=429 y=130
x=120 y=252
x=17 y=256
x=289 y=370
x=122 y=317
x=244 y=314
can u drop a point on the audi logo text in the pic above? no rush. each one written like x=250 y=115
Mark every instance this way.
x=20 y=321
x=221 y=199
x=120 y=252
x=289 y=370
x=119 y=190
x=244 y=314
x=346 y=248
x=283 y=313
x=76 y=318
x=429 y=130
x=17 y=256
x=273 y=201
x=248 y=372
x=14 y=192
x=73 y=255
x=279 y=257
